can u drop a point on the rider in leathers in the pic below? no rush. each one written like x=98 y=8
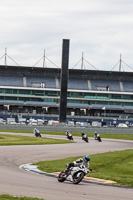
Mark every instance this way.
x=84 y=136
x=81 y=161
x=36 y=132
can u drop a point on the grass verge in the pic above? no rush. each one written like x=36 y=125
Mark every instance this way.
x=116 y=166
x=26 y=140
x=8 y=197
x=103 y=135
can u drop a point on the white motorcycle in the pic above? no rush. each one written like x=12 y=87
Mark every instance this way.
x=74 y=174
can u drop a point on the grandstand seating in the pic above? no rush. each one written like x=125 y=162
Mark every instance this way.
x=87 y=92
x=106 y=107
x=11 y=81
x=11 y=102
x=33 y=103
x=49 y=82
x=77 y=105
x=52 y=82
x=128 y=86
x=101 y=85
x=128 y=108
x=78 y=84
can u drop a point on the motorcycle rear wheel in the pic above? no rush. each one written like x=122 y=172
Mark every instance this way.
x=77 y=177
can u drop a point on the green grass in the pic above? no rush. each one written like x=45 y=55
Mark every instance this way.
x=103 y=135
x=116 y=166
x=26 y=140
x=8 y=197
x=117 y=136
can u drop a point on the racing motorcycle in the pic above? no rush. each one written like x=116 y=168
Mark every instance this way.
x=69 y=136
x=38 y=134
x=74 y=174
x=99 y=138
x=85 y=138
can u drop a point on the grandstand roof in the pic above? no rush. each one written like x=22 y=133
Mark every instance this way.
x=73 y=73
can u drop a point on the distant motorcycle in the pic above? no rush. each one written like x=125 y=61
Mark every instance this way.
x=97 y=137
x=69 y=136
x=85 y=138
x=74 y=174
x=37 y=133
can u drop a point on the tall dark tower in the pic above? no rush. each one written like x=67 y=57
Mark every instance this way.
x=64 y=80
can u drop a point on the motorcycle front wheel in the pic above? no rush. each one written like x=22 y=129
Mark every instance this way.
x=77 y=177
x=61 y=177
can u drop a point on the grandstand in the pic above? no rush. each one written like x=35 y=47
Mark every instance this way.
x=91 y=93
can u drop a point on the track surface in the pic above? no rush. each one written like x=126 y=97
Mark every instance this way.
x=15 y=181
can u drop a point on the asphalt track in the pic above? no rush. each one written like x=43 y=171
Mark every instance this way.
x=15 y=181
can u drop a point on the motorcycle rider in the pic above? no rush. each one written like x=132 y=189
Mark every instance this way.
x=82 y=133
x=36 y=132
x=99 y=138
x=84 y=136
x=68 y=134
x=95 y=135
x=81 y=161
x=75 y=170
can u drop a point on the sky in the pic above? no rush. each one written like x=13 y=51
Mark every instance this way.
x=100 y=32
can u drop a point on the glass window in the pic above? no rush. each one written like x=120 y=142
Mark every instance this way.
x=25 y=92
x=38 y=92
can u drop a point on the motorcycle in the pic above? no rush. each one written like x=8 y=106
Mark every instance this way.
x=85 y=138
x=69 y=136
x=74 y=174
x=99 y=138
x=37 y=134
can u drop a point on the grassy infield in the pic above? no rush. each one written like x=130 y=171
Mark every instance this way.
x=117 y=166
x=26 y=140
x=8 y=197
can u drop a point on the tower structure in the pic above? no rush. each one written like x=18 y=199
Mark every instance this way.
x=64 y=81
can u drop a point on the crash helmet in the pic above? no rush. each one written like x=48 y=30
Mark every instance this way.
x=86 y=158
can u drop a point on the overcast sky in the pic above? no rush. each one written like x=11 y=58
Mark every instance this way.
x=101 y=29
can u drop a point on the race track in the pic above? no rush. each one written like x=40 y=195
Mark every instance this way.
x=15 y=181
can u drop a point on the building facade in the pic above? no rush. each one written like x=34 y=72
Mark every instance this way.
x=91 y=93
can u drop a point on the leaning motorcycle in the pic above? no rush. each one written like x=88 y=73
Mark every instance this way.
x=99 y=138
x=69 y=137
x=74 y=174
x=85 y=139
x=37 y=134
